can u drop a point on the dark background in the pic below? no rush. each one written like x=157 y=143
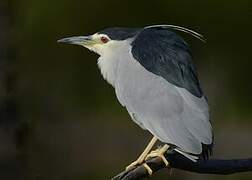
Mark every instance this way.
x=59 y=120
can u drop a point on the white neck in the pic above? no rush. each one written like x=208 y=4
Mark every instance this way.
x=109 y=59
x=108 y=67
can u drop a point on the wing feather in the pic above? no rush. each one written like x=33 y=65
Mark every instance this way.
x=169 y=111
x=166 y=54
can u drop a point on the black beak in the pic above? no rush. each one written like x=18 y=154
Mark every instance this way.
x=79 y=40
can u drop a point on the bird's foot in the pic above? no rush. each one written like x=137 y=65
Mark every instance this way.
x=142 y=157
x=159 y=153
x=136 y=163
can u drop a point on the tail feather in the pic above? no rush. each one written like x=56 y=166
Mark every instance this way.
x=207 y=150
x=192 y=157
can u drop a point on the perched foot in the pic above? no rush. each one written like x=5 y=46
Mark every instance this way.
x=138 y=163
x=156 y=153
x=159 y=153
x=134 y=164
x=142 y=157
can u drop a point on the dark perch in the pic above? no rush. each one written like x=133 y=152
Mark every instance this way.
x=213 y=166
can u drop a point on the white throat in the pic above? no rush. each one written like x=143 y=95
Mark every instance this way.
x=111 y=55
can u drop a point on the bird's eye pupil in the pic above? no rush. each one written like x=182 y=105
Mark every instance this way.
x=104 y=39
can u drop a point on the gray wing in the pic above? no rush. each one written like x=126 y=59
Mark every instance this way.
x=172 y=114
x=168 y=111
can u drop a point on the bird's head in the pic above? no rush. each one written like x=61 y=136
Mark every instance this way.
x=104 y=40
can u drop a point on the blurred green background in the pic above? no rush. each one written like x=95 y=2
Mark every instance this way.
x=59 y=120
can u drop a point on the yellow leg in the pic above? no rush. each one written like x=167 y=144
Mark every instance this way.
x=159 y=153
x=142 y=157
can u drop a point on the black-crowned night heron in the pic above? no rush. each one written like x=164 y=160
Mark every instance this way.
x=154 y=77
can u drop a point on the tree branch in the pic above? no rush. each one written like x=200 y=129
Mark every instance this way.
x=178 y=161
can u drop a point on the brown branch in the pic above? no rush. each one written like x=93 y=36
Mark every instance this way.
x=176 y=160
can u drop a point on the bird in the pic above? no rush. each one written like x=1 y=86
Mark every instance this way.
x=154 y=78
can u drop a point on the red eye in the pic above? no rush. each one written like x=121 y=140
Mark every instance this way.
x=104 y=39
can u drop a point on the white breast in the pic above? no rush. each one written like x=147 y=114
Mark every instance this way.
x=108 y=67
